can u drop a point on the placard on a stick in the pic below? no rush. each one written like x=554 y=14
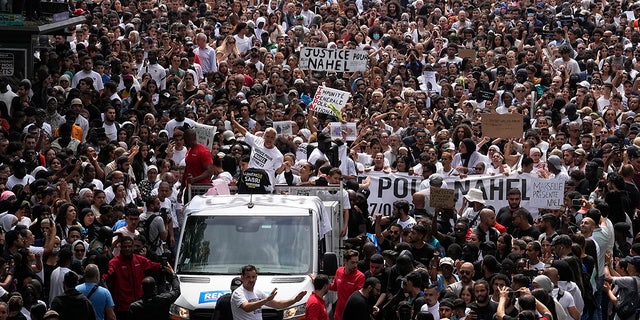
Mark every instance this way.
x=441 y=198
x=504 y=126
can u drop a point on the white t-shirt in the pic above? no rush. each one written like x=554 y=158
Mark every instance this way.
x=242 y=295
x=264 y=158
x=111 y=131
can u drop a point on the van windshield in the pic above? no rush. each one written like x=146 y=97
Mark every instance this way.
x=222 y=245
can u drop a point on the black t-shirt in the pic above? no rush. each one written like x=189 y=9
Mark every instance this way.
x=253 y=181
x=357 y=307
x=424 y=254
x=505 y=217
x=532 y=232
x=223 y=307
x=383 y=277
x=487 y=312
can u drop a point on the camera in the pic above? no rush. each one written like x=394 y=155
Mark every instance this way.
x=514 y=295
x=576 y=202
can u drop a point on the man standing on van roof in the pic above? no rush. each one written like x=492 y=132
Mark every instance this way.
x=264 y=154
x=246 y=303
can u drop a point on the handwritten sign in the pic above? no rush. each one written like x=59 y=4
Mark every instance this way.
x=441 y=198
x=329 y=101
x=467 y=53
x=548 y=194
x=505 y=126
x=204 y=134
x=336 y=60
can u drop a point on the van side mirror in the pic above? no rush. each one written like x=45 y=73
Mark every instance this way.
x=329 y=264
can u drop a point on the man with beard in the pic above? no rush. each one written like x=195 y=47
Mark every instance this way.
x=358 y=306
x=349 y=279
x=530 y=59
x=388 y=238
x=377 y=269
x=466 y=278
x=19 y=175
x=413 y=289
x=485 y=308
x=422 y=251
x=505 y=214
x=157 y=72
x=178 y=121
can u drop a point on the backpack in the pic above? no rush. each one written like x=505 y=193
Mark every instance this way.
x=629 y=306
x=144 y=229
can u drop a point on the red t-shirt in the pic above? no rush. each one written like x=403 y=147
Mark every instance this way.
x=316 y=309
x=345 y=285
x=197 y=160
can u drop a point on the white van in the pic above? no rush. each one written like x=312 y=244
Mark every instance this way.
x=286 y=237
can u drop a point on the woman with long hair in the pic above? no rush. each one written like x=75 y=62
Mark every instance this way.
x=67 y=217
x=228 y=50
x=188 y=86
x=99 y=198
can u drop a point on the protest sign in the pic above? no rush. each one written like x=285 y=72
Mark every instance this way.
x=336 y=60
x=506 y=126
x=467 y=53
x=536 y=192
x=429 y=82
x=441 y=198
x=548 y=193
x=329 y=101
x=349 y=127
x=283 y=127
x=204 y=134
x=487 y=94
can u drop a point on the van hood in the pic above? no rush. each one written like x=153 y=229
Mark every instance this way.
x=202 y=292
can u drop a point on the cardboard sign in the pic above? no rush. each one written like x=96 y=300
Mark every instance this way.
x=467 y=53
x=505 y=126
x=329 y=101
x=336 y=60
x=283 y=127
x=204 y=134
x=441 y=198
x=350 y=128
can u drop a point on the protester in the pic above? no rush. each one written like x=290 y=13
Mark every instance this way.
x=122 y=106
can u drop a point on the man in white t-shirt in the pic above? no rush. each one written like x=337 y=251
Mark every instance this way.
x=264 y=154
x=246 y=303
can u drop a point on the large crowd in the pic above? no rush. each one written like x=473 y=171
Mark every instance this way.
x=98 y=151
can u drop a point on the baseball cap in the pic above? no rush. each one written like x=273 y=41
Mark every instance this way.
x=235 y=283
x=555 y=161
x=562 y=239
x=447 y=261
x=635 y=261
x=76 y=101
x=436 y=179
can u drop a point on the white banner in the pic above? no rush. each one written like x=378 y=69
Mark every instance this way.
x=204 y=134
x=336 y=60
x=329 y=101
x=536 y=193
